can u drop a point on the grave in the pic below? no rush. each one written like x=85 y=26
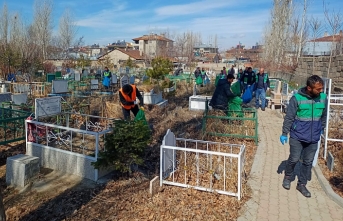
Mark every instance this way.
x=198 y=102
x=19 y=99
x=59 y=86
x=94 y=84
x=124 y=80
x=20 y=170
x=114 y=79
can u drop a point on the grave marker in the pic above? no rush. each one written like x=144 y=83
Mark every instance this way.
x=124 y=80
x=77 y=77
x=330 y=161
x=19 y=98
x=59 y=86
x=132 y=79
x=94 y=84
x=284 y=89
x=5 y=97
x=47 y=106
x=114 y=79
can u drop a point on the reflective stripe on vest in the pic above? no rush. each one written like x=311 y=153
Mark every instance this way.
x=203 y=73
x=310 y=109
x=106 y=73
x=128 y=98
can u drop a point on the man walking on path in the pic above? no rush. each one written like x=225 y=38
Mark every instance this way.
x=261 y=86
x=305 y=120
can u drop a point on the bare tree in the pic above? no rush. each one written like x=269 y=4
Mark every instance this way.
x=316 y=29
x=42 y=24
x=302 y=28
x=334 y=20
x=67 y=32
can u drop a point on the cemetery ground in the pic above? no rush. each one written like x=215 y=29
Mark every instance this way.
x=54 y=196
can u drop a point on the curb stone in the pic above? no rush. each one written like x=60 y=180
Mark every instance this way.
x=327 y=187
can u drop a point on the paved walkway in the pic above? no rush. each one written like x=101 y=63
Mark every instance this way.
x=270 y=201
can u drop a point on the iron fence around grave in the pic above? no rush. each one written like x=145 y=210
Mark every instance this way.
x=12 y=125
x=202 y=165
x=241 y=124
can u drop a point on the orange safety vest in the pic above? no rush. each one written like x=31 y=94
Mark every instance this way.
x=129 y=99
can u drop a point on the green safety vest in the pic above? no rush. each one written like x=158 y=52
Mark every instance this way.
x=307 y=125
x=107 y=73
x=203 y=72
x=264 y=79
x=310 y=109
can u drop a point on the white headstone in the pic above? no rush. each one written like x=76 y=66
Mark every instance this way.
x=47 y=106
x=94 y=84
x=124 y=80
x=19 y=98
x=77 y=77
x=114 y=79
x=59 y=86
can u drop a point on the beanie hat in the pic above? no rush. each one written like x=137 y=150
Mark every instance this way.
x=127 y=88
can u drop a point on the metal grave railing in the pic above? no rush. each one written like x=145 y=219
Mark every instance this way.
x=202 y=165
x=12 y=125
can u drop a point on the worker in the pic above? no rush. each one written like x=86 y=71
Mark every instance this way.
x=127 y=95
x=222 y=94
x=248 y=78
x=107 y=78
x=305 y=121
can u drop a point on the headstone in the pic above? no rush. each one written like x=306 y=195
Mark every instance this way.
x=114 y=79
x=144 y=78
x=5 y=97
x=127 y=69
x=85 y=73
x=330 y=162
x=132 y=79
x=59 y=86
x=94 y=84
x=77 y=77
x=169 y=155
x=19 y=98
x=124 y=80
x=47 y=106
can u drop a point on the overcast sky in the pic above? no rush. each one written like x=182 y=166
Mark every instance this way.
x=106 y=21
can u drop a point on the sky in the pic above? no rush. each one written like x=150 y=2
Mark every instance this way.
x=106 y=21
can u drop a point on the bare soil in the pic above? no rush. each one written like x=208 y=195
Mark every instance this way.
x=54 y=196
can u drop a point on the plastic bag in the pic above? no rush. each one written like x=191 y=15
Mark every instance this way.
x=141 y=117
x=247 y=95
x=235 y=107
x=106 y=82
x=207 y=80
x=236 y=88
x=198 y=80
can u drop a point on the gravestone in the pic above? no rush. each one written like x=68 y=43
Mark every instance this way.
x=330 y=162
x=114 y=79
x=19 y=98
x=94 y=84
x=59 y=86
x=85 y=73
x=77 y=76
x=47 y=106
x=127 y=69
x=132 y=79
x=5 y=97
x=124 y=80
x=284 y=89
x=168 y=156
x=144 y=78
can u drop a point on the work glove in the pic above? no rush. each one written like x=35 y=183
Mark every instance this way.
x=283 y=139
x=142 y=108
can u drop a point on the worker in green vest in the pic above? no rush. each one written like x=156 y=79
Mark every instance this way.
x=262 y=84
x=305 y=121
x=107 y=78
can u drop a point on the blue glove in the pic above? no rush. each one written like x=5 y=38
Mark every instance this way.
x=283 y=139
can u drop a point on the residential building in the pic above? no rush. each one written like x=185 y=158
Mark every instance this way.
x=118 y=56
x=153 y=45
x=322 y=46
x=201 y=50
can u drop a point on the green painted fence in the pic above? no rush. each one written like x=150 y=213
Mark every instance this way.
x=12 y=125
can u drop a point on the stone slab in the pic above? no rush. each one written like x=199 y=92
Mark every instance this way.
x=20 y=170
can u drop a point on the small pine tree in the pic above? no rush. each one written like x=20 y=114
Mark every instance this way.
x=160 y=67
x=124 y=146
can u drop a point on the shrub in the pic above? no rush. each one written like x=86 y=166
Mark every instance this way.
x=124 y=146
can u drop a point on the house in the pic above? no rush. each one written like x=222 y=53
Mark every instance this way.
x=153 y=45
x=118 y=56
x=323 y=45
x=202 y=49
